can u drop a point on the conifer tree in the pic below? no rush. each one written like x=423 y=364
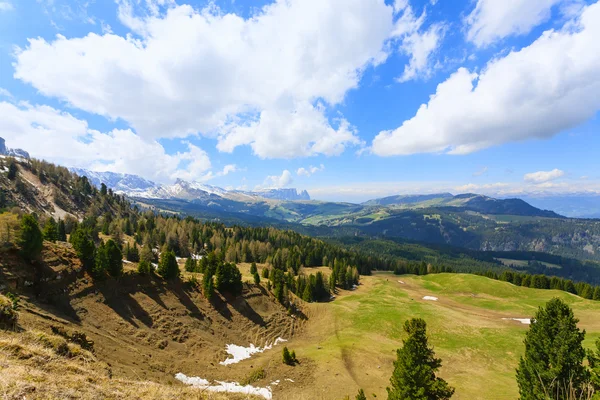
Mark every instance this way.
x=414 y=370
x=84 y=246
x=12 y=170
x=208 y=286
x=51 y=230
x=168 y=268
x=100 y=262
x=114 y=258
x=554 y=354
x=253 y=268
x=145 y=268
x=190 y=265
x=287 y=357
x=256 y=279
x=62 y=231
x=30 y=241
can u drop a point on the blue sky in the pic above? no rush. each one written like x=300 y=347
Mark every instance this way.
x=349 y=99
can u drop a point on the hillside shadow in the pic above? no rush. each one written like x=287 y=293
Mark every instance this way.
x=221 y=307
x=178 y=289
x=241 y=305
x=125 y=305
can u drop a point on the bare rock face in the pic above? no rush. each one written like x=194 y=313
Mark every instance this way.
x=12 y=152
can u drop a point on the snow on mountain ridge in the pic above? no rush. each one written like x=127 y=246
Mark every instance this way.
x=136 y=186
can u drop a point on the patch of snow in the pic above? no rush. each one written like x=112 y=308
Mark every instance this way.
x=240 y=353
x=155 y=265
x=276 y=382
x=127 y=262
x=401 y=282
x=431 y=298
x=224 y=387
x=525 y=321
x=289 y=380
x=196 y=257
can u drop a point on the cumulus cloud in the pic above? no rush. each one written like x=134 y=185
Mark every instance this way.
x=186 y=71
x=543 y=176
x=537 y=92
x=277 y=181
x=59 y=137
x=310 y=170
x=492 y=20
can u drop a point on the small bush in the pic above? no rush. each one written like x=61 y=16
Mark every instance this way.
x=254 y=376
x=54 y=342
x=289 y=358
x=8 y=313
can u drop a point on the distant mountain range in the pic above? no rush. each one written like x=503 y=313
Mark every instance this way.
x=138 y=187
x=466 y=201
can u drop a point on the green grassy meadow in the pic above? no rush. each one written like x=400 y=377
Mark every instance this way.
x=351 y=341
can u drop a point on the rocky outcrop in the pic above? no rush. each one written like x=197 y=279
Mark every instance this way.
x=12 y=152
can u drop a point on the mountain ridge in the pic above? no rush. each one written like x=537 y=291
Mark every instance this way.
x=138 y=187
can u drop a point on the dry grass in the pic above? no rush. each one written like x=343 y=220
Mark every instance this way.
x=37 y=365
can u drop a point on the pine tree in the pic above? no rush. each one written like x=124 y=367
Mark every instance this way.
x=84 y=246
x=287 y=357
x=100 y=262
x=361 y=395
x=553 y=354
x=596 y=293
x=103 y=189
x=168 y=268
x=115 y=259
x=414 y=370
x=253 y=268
x=30 y=241
x=12 y=170
x=208 y=286
x=145 y=268
x=51 y=230
x=256 y=279
x=62 y=231
x=190 y=265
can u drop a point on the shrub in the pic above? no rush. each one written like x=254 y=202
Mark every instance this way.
x=8 y=313
x=254 y=376
x=289 y=358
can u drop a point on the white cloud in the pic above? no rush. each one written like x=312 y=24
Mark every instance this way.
x=536 y=92
x=241 y=80
x=416 y=44
x=61 y=138
x=492 y=20
x=5 y=93
x=480 y=171
x=6 y=6
x=277 y=181
x=543 y=176
x=420 y=48
x=310 y=170
x=228 y=169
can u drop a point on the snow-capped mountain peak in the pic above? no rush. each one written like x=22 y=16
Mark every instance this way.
x=136 y=186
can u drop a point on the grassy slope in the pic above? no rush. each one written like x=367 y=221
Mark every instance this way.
x=352 y=340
